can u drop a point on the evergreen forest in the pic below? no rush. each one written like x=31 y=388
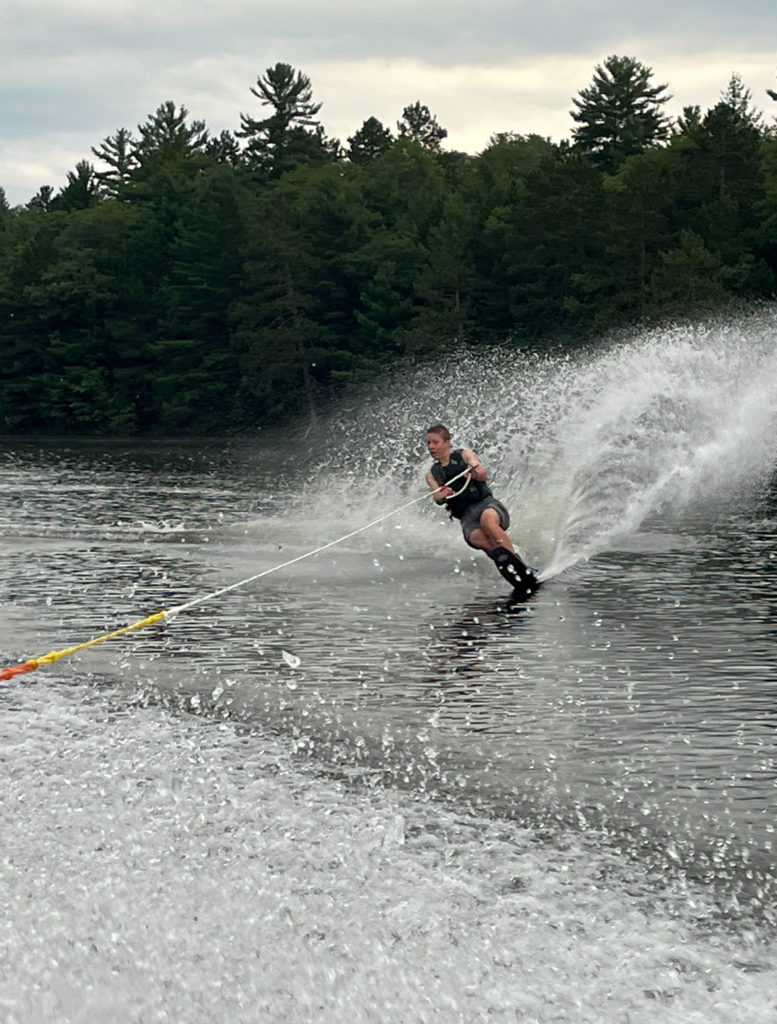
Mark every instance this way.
x=182 y=282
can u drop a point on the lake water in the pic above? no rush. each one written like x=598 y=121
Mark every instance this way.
x=348 y=781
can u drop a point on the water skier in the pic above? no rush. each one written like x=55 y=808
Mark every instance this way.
x=484 y=519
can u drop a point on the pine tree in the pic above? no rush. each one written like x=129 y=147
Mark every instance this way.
x=82 y=190
x=224 y=148
x=368 y=142
x=721 y=187
x=167 y=134
x=420 y=126
x=619 y=114
x=118 y=152
x=291 y=134
x=41 y=201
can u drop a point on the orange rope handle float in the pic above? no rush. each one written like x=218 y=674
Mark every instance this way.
x=52 y=656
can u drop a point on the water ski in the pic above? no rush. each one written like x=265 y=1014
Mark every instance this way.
x=520 y=577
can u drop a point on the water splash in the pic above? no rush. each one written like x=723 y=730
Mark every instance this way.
x=584 y=448
x=668 y=424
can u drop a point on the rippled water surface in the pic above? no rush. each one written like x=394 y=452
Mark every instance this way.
x=379 y=701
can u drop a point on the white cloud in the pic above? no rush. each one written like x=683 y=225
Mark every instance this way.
x=471 y=102
x=78 y=70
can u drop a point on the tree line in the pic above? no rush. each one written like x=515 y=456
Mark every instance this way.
x=187 y=282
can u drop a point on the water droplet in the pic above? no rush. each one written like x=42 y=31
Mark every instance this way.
x=291 y=659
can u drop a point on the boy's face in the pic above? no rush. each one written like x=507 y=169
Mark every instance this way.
x=437 y=445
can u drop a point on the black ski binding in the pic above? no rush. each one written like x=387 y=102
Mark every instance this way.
x=520 y=577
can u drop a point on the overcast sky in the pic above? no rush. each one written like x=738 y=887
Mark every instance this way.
x=75 y=71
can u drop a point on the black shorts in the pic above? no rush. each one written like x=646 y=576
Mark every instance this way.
x=471 y=519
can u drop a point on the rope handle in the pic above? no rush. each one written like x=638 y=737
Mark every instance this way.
x=463 y=487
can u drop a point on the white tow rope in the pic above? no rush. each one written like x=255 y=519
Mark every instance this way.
x=315 y=551
x=47 y=659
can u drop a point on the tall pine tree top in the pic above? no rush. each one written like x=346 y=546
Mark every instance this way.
x=620 y=114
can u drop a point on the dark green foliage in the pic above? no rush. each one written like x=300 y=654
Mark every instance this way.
x=82 y=190
x=641 y=201
x=445 y=285
x=168 y=135
x=224 y=148
x=765 y=235
x=118 y=152
x=496 y=189
x=420 y=126
x=687 y=276
x=188 y=285
x=369 y=142
x=291 y=135
x=197 y=374
x=619 y=114
x=295 y=319
x=41 y=201
x=555 y=264
x=23 y=340
x=76 y=320
x=720 y=162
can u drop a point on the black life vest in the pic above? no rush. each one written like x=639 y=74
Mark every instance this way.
x=475 y=491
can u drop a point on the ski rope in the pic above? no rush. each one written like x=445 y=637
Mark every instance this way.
x=170 y=613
